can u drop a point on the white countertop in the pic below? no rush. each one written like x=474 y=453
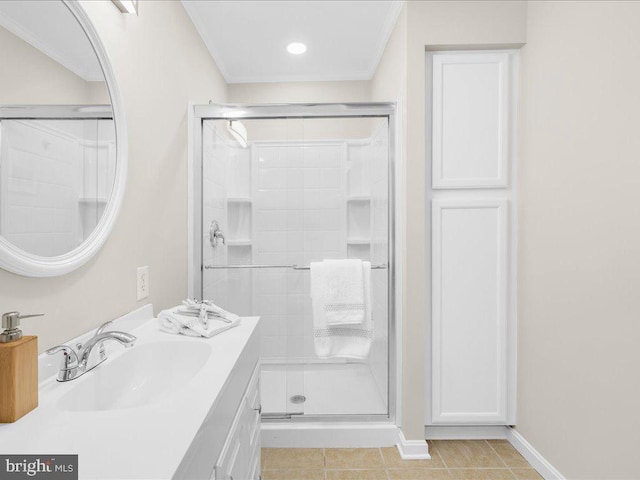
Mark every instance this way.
x=146 y=442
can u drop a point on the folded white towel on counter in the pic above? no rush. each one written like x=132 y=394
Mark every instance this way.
x=339 y=286
x=343 y=340
x=204 y=310
x=179 y=321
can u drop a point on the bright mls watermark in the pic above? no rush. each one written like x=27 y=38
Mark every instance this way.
x=49 y=467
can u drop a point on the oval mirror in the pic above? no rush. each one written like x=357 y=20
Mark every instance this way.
x=62 y=138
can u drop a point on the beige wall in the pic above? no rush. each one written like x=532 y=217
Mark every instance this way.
x=579 y=256
x=431 y=24
x=28 y=76
x=98 y=93
x=300 y=92
x=161 y=64
x=389 y=84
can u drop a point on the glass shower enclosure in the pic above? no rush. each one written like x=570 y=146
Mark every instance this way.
x=277 y=188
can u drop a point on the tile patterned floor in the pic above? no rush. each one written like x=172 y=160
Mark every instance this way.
x=450 y=460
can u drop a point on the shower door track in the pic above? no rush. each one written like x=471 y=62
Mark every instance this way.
x=306 y=110
x=325 y=417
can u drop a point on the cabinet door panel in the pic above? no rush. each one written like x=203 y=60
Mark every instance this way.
x=470 y=272
x=470 y=120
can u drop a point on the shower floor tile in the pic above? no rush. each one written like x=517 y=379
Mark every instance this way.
x=386 y=464
x=329 y=389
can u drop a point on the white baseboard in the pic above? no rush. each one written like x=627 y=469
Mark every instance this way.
x=465 y=432
x=413 y=449
x=535 y=459
x=329 y=435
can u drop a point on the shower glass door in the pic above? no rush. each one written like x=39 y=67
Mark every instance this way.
x=301 y=191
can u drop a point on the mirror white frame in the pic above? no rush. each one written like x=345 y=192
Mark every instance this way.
x=17 y=260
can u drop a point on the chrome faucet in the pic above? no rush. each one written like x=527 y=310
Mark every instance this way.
x=75 y=362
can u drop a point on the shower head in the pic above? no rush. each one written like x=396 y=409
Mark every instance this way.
x=238 y=131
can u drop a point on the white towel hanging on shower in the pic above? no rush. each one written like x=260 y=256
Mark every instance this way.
x=350 y=340
x=339 y=285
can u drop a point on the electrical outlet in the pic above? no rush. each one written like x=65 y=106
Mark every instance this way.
x=142 y=283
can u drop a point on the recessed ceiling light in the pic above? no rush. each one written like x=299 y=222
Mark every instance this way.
x=296 y=48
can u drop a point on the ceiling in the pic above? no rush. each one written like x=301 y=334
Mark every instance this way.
x=51 y=28
x=248 y=39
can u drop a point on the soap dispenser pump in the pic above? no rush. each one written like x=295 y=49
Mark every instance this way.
x=18 y=369
x=11 y=322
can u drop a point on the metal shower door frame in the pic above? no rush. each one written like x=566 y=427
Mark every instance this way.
x=306 y=110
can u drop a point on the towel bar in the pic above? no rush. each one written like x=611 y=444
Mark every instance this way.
x=293 y=267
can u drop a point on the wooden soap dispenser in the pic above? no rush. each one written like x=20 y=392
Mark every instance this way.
x=18 y=369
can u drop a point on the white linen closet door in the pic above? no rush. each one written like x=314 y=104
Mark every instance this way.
x=472 y=238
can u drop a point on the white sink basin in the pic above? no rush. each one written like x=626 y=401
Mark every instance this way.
x=141 y=375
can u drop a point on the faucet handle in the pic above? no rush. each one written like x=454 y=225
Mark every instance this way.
x=70 y=358
x=61 y=348
x=69 y=365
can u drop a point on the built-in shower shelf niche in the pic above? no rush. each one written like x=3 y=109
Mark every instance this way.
x=358 y=220
x=90 y=211
x=239 y=215
x=232 y=242
x=361 y=251
x=359 y=227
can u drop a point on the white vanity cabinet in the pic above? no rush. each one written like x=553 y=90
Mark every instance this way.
x=187 y=420
x=227 y=445
x=240 y=457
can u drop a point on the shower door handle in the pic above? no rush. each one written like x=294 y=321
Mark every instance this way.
x=215 y=234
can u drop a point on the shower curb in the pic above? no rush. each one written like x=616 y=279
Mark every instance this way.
x=330 y=435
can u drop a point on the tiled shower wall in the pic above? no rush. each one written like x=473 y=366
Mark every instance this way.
x=54 y=182
x=299 y=218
